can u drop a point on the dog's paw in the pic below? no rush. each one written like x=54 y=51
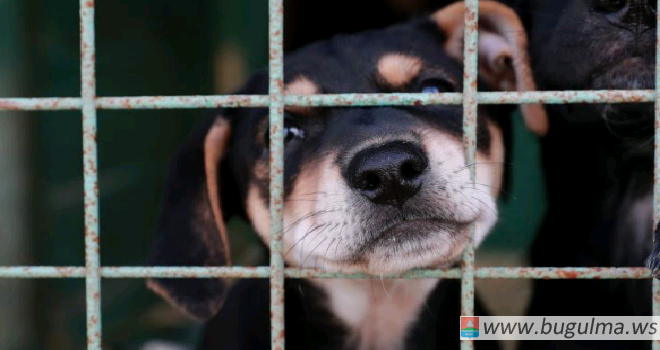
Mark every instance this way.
x=653 y=261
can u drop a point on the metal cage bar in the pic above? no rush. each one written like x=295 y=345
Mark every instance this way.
x=276 y=118
x=90 y=176
x=470 y=105
x=379 y=99
x=656 y=171
x=88 y=103
x=264 y=272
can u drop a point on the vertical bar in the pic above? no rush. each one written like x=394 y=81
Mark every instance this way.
x=656 y=170
x=276 y=109
x=469 y=143
x=92 y=254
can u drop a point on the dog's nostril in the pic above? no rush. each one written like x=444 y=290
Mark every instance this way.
x=410 y=170
x=370 y=181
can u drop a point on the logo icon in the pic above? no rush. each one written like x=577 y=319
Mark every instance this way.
x=469 y=327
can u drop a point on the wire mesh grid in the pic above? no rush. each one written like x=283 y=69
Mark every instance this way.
x=275 y=101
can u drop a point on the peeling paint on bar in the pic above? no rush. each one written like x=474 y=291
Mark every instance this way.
x=656 y=169
x=90 y=176
x=42 y=272
x=469 y=144
x=186 y=272
x=453 y=273
x=396 y=99
x=563 y=273
x=179 y=102
x=264 y=272
x=276 y=162
x=417 y=99
x=36 y=104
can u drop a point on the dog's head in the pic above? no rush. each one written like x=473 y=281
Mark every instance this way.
x=595 y=45
x=373 y=189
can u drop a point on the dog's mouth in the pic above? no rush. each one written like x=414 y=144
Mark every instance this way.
x=631 y=73
x=410 y=244
x=627 y=121
x=412 y=230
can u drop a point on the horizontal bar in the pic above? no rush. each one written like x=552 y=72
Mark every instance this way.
x=42 y=272
x=264 y=272
x=563 y=273
x=415 y=274
x=36 y=104
x=398 y=99
x=171 y=102
x=186 y=272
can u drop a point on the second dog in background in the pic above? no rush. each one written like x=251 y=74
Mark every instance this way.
x=597 y=158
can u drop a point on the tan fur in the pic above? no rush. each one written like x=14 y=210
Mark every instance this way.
x=379 y=313
x=165 y=294
x=301 y=85
x=317 y=204
x=261 y=171
x=215 y=145
x=501 y=34
x=258 y=213
x=495 y=59
x=489 y=168
x=398 y=70
x=465 y=196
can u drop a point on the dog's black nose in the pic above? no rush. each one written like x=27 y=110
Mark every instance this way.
x=388 y=174
x=636 y=15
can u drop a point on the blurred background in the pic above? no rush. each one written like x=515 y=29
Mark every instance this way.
x=195 y=47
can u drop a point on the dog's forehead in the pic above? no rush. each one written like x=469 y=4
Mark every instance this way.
x=351 y=63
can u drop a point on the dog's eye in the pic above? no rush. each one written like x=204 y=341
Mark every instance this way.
x=291 y=131
x=609 y=5
x=435 y=85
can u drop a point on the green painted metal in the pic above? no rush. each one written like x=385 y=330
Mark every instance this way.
x=88 y=103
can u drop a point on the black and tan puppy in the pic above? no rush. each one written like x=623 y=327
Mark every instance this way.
x=597 y=158
x=376 y=189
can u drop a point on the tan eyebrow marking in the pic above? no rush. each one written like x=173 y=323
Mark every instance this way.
x=397 y=70
x=301 y=85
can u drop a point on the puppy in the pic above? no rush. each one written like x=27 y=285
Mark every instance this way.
x=378 y=190
x=597 y=158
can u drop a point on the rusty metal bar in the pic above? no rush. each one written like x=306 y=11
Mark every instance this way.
x=470 y=73
x=398 y=99
x=655 y=299
x=264 y=272
x=276 y=118
x=91 y=191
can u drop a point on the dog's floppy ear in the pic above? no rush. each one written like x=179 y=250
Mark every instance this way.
x=503 y=57
x=191 y=230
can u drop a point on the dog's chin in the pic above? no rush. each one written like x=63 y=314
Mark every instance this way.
x=415 y=244
x=633 y=73
x=630 y=123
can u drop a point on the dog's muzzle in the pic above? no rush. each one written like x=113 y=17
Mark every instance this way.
x=388 y=174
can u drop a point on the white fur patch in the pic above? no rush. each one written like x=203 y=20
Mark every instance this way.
x=326 y=223
x=379 y=312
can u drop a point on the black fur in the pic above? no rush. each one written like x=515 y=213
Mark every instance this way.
x=244 y=323
x=343 y=64
x=597 y=159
